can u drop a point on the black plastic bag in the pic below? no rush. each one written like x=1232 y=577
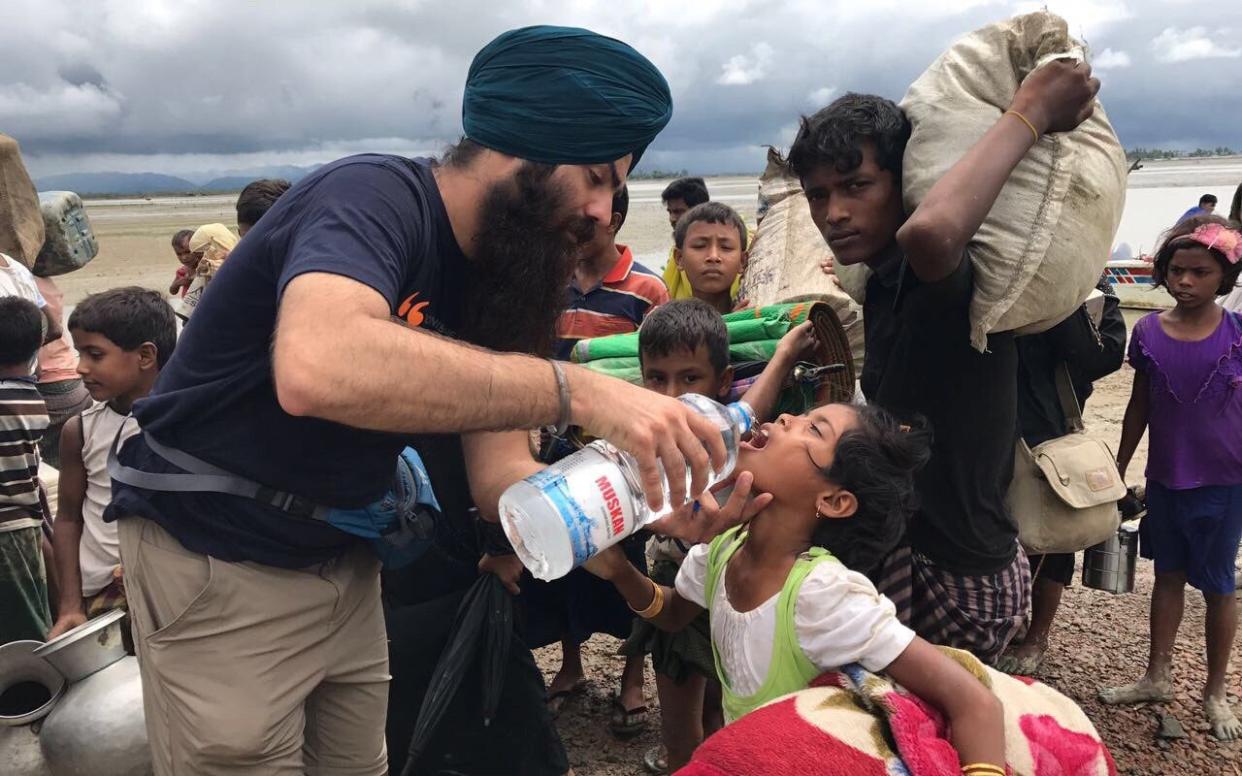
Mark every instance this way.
x=484 y=622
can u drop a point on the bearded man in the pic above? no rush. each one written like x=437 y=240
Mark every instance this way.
x=370 y=304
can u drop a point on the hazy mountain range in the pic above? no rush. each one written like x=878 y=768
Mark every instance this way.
x=96 y=183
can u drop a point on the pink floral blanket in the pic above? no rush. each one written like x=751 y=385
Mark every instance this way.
x=855 y=723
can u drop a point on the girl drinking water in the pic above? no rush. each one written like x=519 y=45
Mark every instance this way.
x=785 y=593
x=1187 y=373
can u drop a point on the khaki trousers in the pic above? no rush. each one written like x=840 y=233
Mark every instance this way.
x=250 y=669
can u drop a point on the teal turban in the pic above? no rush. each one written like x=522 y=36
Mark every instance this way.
x=563 y=95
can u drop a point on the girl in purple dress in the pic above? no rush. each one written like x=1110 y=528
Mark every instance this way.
x=1187 y=379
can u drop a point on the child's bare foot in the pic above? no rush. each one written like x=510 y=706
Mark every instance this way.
x=1225 y=726
x=1143 y=691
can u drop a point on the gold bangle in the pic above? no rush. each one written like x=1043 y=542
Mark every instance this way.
x=1025 y=121
x=982 y=769
x=657 y=603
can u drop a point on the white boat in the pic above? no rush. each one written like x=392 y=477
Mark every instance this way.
x=1132 y=282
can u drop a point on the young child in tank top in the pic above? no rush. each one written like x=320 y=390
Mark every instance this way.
x=123 y=337
x=786 y=596
x=1187 y=374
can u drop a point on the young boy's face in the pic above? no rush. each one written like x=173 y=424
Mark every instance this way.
x=676 y=209
x=107 y=369
x=184 y=255
x=711 y=256
x=685 y=371
x=858 y=212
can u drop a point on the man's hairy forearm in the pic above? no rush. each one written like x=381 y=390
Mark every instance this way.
x=403 y=380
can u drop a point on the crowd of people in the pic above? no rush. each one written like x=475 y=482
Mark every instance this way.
x=384 y=303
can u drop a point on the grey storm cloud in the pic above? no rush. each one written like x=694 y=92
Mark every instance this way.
x=129 y=81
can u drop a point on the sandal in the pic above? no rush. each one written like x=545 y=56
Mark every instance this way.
x=627 y=723
x=555 y=701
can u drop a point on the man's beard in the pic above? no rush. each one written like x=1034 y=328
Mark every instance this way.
x=522 y=262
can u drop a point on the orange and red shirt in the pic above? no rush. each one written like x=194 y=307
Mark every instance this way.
x=617 y=305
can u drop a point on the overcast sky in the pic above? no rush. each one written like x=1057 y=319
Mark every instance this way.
x=194 y=85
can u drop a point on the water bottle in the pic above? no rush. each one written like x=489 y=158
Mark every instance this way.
x=559 y=518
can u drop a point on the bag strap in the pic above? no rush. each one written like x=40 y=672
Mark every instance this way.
x=1069 y=400
x=202 y=477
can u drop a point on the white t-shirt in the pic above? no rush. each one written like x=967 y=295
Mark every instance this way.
x=99 y=553
x=839 y=618
x=16 y=280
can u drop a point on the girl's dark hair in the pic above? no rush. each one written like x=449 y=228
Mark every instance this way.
x=876 y=461
x=129 y=316
x=834 y=136
x=1235 y=210
x=1172 y=242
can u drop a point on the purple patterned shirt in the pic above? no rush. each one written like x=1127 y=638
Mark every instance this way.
x=1195 y=418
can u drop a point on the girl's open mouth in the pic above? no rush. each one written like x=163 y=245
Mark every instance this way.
x=758 y=440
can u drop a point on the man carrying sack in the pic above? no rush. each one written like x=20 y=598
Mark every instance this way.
x=337 y=330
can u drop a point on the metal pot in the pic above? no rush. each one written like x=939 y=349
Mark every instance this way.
x=1110 y=565
x=90 y=647
x=99 y=727
x=22 y=673
x=20 y=753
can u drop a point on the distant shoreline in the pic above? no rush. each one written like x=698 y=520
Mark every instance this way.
x=1220 y=170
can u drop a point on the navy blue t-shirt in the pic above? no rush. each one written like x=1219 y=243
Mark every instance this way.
x=376 y=219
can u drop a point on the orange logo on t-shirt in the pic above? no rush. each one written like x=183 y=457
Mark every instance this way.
x=412 y=312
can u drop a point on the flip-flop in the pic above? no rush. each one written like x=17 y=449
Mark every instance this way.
x=555 y=701
x=627 y=723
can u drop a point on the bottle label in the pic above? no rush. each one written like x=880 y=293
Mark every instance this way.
x=590 y=499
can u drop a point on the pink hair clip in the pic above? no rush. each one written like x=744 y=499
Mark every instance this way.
x=1219 y=237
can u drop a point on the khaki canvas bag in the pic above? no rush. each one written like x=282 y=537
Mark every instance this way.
x=1065 y=491
x=21 y=219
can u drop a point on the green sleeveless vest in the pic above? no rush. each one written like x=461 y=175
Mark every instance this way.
x=790 y=670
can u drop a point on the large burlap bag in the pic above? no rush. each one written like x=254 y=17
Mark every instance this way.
x=21 y=221
x=1043 y=246
x=786 y=252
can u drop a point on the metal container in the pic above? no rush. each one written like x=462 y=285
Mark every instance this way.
x=20 y=754
x=99 y=728
x=1110 y=565
x=20 y=666
x=93 y=645
x=70 y=242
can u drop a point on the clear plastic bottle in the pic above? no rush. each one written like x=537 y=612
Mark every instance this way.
x=559 y=518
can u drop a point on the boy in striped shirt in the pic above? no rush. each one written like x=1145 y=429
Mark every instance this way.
x=24 y=612
x=610 y=293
